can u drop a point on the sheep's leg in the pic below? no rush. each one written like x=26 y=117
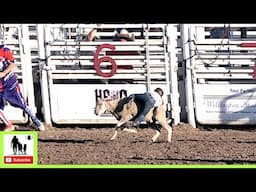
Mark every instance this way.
x=164 y=123
x=128 y=123
x=118 y=125
x=154 y=138
x=114 y=135
x=130 y=130
x=169 y=130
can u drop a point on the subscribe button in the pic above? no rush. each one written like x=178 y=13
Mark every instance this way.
x=18 y=159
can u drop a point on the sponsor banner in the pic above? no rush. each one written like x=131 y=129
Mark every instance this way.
x=78 y=103
x=225 y=104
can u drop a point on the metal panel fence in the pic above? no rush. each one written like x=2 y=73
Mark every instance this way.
x=77 y=72
x=15 y=37
x=220 y=63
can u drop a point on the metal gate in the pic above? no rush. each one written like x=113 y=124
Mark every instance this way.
x=220 y=61
x=16 y=37
x=76 y=72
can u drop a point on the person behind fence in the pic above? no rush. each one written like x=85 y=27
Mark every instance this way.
x=92 y=34
x=219 y=32
x=10 y=90
x=123 y=35
x=149 y=99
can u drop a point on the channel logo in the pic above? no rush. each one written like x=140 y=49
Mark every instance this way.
x=18 y=148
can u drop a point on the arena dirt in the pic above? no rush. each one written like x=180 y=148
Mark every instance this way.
x=86 y=146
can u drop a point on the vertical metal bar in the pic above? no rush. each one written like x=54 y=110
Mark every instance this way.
x=27 y=67
x=171 y=33
x=186 y=38
x=44 y=74
x=148 y=88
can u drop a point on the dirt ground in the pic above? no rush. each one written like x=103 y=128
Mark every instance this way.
x=189 y=145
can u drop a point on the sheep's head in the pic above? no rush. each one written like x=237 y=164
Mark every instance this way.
x=100 y=107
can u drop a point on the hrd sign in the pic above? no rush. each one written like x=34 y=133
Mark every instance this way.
x=107 y=93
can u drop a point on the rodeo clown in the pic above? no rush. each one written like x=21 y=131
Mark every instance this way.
x=10 y=89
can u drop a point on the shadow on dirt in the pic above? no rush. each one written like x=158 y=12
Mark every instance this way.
x=203 y=161
x=215 y=141
x=65 y=141
x=246 y=128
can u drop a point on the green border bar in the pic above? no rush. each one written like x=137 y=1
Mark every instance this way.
x=139 y=166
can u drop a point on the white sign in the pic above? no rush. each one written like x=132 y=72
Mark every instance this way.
x=75 y=103
x=225 y=104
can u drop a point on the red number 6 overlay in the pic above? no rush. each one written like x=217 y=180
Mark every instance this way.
x=98 y=61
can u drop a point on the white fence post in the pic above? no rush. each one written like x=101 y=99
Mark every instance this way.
x=146 y=28
x=26 y=64
x=44 y=76
x=186 y=38
x=172 y=70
